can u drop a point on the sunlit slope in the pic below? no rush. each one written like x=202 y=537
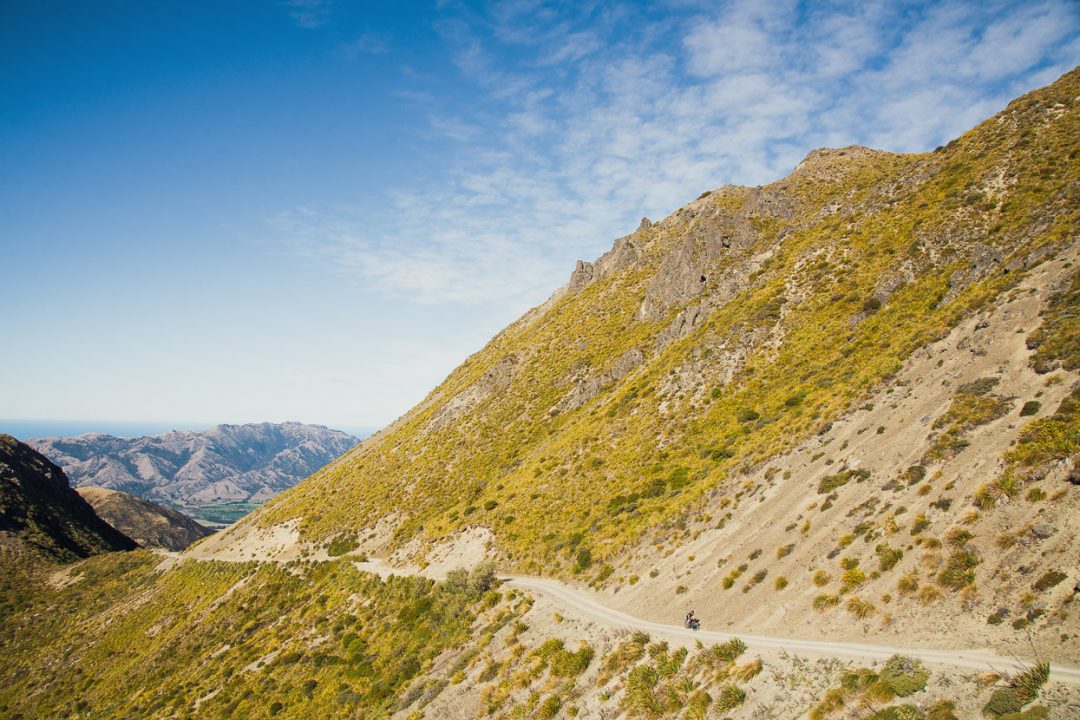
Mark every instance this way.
x=705 y=344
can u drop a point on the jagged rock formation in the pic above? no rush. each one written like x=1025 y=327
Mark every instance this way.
x=39 y=510
x=227 y=463
x=147 y=523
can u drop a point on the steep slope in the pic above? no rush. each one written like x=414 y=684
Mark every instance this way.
x=714 y=340
x=874 y=381
x=147 y=523
x=709 y=362
x=227 y=463
x=39 y=510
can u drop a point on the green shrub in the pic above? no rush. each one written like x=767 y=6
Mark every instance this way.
x=888 y=556
x=795 y=400
x=859 y=608
x=1030 y=408
x=1049 y=580
x=1003 y=701
x=832 y=482
x=904 y=675
x=341 y=544
x=583 y=561
x=959 y=572
x=825 y=601
x=731 y=697
x=748 y=415
x=915 y=474
x=730 y=650
x=920 y=523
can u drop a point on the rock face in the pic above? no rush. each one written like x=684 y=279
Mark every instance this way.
x=147 y=523
x=40 y=511
x=227 y=463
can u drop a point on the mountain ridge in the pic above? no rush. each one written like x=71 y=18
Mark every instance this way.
x=226 y=463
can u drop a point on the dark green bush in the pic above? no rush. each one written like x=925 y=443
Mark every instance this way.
x=340 y=545
x=1004 y=700
x=904 y=675
x=1049 y=580
x=1030 y=408
x=831 y=482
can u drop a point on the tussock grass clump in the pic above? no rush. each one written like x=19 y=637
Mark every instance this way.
x=729 y=650
x=920 y=523
x=859 y=607
x=826 y=601
x=821 y=578
x=562 y=662
x=851 y=579
x=747 y=671
x=929 y=595
x=832 y=482
x=908 y=584
x=731 y=697
x=959 y=568
x=888 y=556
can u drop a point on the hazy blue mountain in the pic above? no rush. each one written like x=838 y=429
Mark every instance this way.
x=227 y=463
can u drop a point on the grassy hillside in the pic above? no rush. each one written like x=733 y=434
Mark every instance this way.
x=143 y=638
x=709 y=343
x=225 y=640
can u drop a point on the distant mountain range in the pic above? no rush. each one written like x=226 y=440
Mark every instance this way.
x=227 y=463
x=40 y=512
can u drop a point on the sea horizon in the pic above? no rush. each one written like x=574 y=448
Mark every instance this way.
x=22 y=429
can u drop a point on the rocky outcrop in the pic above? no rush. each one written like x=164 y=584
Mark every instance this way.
x=586 y=388
x=495 y=379
x=713 y=232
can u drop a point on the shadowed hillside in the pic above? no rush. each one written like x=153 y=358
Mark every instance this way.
x=40 y=511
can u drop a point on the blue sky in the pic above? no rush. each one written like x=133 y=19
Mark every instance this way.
x=313 y=210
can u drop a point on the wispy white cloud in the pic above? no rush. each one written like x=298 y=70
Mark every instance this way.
x=309 y=14
x=366 y=44
x=592 y=118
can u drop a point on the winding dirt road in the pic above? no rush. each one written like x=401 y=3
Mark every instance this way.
x=588 y=608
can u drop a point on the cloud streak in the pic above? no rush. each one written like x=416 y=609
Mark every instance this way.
x=594 y=117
